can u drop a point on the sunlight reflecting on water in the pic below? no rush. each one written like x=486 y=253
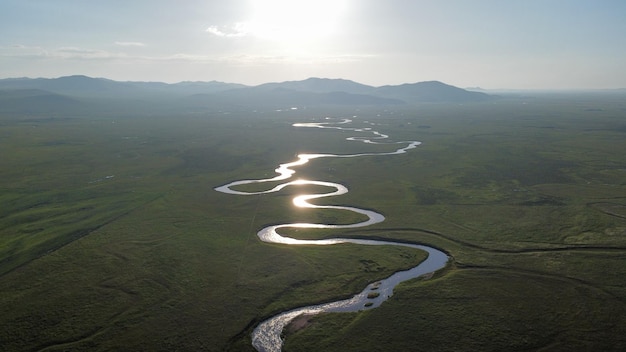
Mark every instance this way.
x=267 y=335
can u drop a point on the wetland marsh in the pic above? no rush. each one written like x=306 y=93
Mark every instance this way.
x=527 y=196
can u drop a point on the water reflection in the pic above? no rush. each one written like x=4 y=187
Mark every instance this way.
x=267 y=335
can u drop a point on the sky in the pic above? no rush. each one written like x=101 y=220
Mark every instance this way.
x=493 y=44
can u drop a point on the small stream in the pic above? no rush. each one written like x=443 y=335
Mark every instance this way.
x=267 y=335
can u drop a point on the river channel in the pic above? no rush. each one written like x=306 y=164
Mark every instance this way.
x=266 y=337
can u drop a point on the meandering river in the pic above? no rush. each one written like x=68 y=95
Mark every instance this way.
x=267 y=335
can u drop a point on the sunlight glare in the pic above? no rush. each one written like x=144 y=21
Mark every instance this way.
x=293 y=20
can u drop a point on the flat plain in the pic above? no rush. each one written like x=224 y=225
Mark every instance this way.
x=112 y=237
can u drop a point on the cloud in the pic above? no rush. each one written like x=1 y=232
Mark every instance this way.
x=20 y=51
x=24 y=51
x=130 y=44
x=293 y=59
x=71 y=52
x=184 y=57
x=237 y=29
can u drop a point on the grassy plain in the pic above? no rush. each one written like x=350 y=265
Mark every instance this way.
x=113 y=239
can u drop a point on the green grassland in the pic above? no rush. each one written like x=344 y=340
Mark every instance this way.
x=112 y=238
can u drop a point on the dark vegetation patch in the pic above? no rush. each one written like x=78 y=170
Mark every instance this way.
x=46 y=221
x=613 y=209
x=211 y=160
x=486 y=310
x=373 y=295
x=527 y=170
x=543 y=200
x=431 y=196
x=371 y=265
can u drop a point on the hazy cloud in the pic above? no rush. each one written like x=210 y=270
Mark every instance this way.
x=68 y=52
x=245 y=59
x=237 y=29
x=184 y=57
x=19 y=50
x=88 y=54
x=130 y=44
x=80 y=53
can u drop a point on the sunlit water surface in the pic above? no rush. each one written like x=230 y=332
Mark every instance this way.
x=267 y=335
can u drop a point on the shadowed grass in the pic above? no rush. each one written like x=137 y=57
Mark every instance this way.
x=487 y=310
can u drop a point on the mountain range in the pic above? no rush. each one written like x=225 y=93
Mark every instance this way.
x=86 y=93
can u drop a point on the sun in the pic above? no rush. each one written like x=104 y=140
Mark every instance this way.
x=295 y=20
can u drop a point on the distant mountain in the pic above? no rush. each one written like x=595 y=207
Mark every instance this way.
x=187 y=87
x=83 y=86
x=283 y=97
x=79 y=86
x=35 y=101
x=45 y=94
x=431 y=91
x=7 y=94
x=321 y=85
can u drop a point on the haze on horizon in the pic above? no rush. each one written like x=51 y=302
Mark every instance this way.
x=535 y=44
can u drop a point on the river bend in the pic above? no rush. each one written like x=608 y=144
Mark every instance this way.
x=267 y=335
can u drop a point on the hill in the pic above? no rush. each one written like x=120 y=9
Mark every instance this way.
x=83 y=86
x=35 y=101
x=321 y=85
x=432 y=91
x=51 y=94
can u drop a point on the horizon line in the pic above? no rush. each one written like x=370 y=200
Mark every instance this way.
x=470 y=88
